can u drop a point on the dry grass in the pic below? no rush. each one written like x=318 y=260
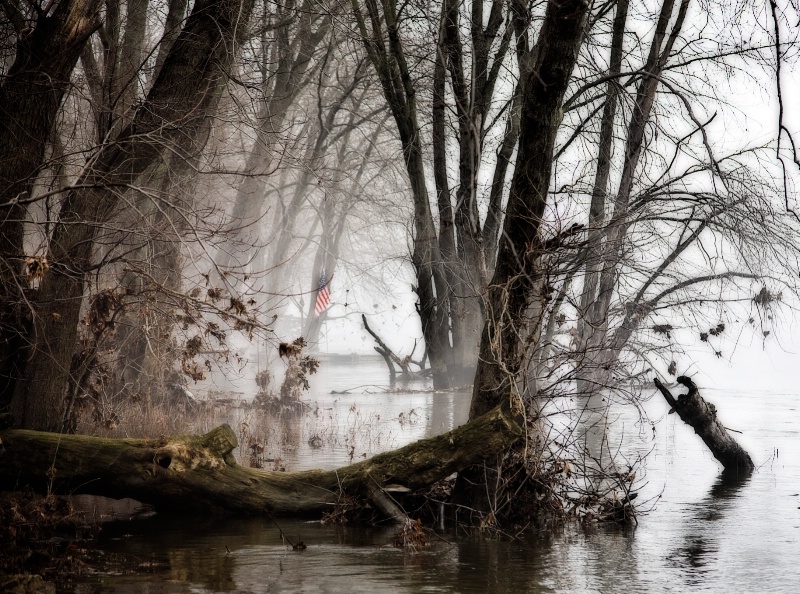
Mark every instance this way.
x=275 y=438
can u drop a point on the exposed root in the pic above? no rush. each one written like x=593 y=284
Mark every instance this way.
x=550 y=490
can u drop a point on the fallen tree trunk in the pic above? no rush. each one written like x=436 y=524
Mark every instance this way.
x=198 y=473
x=702 y=417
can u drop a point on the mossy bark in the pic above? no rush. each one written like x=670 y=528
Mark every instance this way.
x=197 y=473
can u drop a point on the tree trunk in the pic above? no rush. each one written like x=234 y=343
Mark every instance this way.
x=325 y=259
x=389 y=61
x=32 y=91
x=511 y=291
x=172 y=29
x=144 y=334
x=30 y=96
x=611 y=254
x=172 y=116
x=520 y=23
x=444 y=202
x=467 y=272
x=199 y=473
x=702 y=417
x=512 y=302
x=597 y=208
x=131 y=57
x=333 y=216
x=494 y=214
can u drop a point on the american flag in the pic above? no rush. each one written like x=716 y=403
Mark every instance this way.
x=323 y=295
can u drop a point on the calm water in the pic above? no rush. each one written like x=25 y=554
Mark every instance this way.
x=701 y=536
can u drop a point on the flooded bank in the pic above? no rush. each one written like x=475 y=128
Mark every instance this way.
x=701 y=535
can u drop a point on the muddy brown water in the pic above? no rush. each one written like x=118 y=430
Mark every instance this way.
x=702 y=535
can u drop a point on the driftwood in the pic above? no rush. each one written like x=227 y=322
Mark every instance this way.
x=198 y=473
x=702 y=417
x=391 y=358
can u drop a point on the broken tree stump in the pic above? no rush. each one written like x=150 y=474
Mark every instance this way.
x=198 y=473
x=702 y=417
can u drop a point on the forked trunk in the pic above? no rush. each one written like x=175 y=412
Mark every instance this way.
x=31 y=94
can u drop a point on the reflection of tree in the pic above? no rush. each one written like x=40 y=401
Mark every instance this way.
x=448 y=409
x=290 y=422
x=692 y=556
x=701 y=536
x=727 y=486
x=193 y=553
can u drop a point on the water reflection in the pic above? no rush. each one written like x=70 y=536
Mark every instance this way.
x=350 y=414
x=700 y=551
x=194 y=557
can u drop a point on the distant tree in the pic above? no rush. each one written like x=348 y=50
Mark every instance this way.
x=289 y=51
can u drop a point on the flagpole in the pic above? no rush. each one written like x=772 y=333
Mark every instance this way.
x=302 y=309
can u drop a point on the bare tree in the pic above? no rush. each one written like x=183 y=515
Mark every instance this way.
x=517 y=282
x=599 y=285
x=181 y=98
x=467 y=70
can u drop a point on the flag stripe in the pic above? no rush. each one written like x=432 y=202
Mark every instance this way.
x=323 y=295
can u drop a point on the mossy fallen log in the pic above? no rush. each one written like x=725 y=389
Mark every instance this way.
x=702 y=417
x=198 y=473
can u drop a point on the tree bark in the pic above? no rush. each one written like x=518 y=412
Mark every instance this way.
x=511 y=291
x=172 y=116
x=702 y=417
x=172 y=29
x=30 y=96
x=199 y=474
